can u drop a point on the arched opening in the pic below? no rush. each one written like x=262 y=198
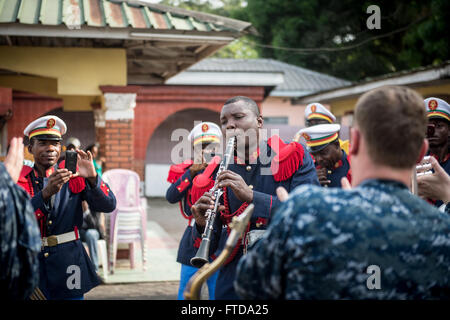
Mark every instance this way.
x=159 y=149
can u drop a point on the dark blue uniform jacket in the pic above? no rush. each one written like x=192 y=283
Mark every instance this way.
x=261 y=178
x=340 y=170
x=66 y=270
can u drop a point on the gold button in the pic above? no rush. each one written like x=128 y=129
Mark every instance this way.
x=251 y=187
x=249 y=168
x=46 y=254
x=50 y=222
x=186 y=180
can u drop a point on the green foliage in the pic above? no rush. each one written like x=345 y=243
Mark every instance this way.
x=238 y=49
x=321 y=24
x=417 y=33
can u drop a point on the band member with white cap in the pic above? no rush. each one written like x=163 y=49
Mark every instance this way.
x=316 y=113
x=65 y=270
x=205 y=138
x=332 y=162
x=258 y=167
x=438 y=131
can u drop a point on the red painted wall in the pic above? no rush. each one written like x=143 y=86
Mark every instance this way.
x=26 y=108
x=154 y=104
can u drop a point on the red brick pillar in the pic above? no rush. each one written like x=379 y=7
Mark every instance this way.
x=118 y=130
x=116 y=135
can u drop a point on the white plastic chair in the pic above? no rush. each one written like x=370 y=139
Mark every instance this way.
x=103 y=257
x=128 y=222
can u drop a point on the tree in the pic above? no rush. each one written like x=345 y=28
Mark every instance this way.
x=412 y=34
x=238 y=49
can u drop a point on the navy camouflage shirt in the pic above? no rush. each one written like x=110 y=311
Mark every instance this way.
x=20 y=241
x=325 y=243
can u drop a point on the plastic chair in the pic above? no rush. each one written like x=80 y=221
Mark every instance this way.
x=128 y=222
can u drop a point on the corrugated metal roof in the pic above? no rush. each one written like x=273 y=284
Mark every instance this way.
x=112 y=14
x=296 y=79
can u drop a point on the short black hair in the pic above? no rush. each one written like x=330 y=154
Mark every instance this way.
x=249 y=103
x=91 y=146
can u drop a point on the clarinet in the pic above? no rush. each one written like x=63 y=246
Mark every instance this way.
x=203 y=251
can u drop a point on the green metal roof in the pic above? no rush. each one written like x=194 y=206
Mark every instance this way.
x=112 y=14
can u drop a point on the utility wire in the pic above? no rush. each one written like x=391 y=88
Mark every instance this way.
x=329 y=49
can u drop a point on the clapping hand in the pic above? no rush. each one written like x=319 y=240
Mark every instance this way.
x=86 y=167
x=14 y=158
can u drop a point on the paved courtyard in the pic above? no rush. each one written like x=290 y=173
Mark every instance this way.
x=158 y=290
x=160 y=280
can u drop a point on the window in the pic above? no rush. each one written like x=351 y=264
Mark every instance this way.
x=276 y=120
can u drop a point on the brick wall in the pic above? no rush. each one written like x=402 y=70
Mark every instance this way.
x=26 y=108
x=5 y=100
x=125 y=142
x=155 y=103
x=118 y=143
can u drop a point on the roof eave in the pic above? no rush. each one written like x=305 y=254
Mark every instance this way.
x=265 y=79
x=241 y=26
x=17 y=29
x=411 y=78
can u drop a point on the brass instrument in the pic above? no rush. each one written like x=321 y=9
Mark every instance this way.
x=238 y=226
x=203 y=251
x=37 y=295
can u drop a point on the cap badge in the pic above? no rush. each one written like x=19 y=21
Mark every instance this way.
x=205 y=127
x=306 y=136
x=313 y=108
x=432 y=104
x=51 y=123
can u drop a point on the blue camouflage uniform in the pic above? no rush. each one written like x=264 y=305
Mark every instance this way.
x=60 y=265
x=260 y=177
x=322 y=242
x=20 y=241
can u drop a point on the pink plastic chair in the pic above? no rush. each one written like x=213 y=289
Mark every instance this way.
x=128 y=222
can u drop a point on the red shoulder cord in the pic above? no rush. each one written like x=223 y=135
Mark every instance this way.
x=226 y=217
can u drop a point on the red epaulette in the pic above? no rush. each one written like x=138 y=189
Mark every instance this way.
x=23 y=181
x=226 y=216
x=77 y=184
x=203 y=182
x=177 y=170
x=289 y=157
